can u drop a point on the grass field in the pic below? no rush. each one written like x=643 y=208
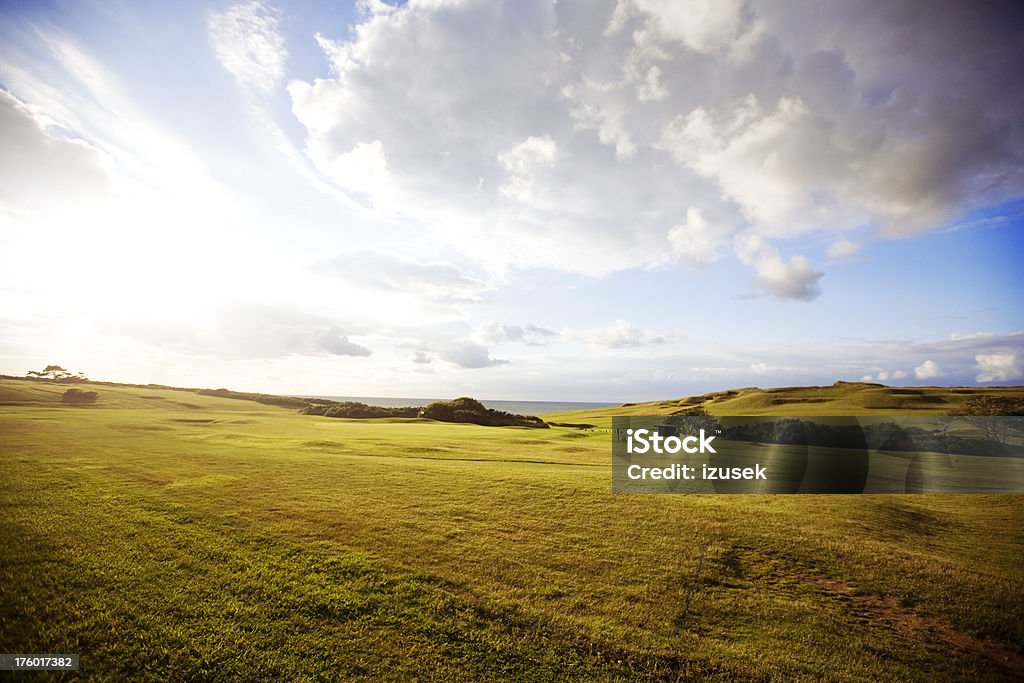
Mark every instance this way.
x=842 y=398
x=165 y=535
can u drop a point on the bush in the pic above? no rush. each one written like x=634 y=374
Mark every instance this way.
x=991 y=406
x=78 y=397
x=469 y=410
x=356 y=410
x=266 y=399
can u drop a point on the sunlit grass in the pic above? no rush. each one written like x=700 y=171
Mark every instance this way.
x=172 y=535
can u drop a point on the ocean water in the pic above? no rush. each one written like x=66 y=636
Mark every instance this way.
x=516 y=407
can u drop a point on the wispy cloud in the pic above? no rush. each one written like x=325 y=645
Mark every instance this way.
x=388 y=271
x=620 y=334
x=248 y=43
x=497 y=333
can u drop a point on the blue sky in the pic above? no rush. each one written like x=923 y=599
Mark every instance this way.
x=605 y=201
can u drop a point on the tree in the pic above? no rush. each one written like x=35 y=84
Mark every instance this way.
x=996 y=417
x=57 y=374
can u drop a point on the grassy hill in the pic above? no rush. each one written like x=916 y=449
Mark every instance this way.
x=163 y=534
x=842 y=398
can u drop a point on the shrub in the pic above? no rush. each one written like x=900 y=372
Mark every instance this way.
x=469 y=410
x=356 y=410
x=78 y=397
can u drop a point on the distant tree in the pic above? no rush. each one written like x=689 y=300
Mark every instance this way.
x=692 y=419
x=57 y=374
x=996 y=417
x=991 y=405
x=54 y=372
x=78 y=397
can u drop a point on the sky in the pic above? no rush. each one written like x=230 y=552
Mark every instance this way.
x=589 y=200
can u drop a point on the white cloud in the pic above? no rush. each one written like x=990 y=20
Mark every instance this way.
x=884 y=376
x=793 y=279
x=238 y=331
x=39 y=166
x=525 y=164
x=495 y=333
x=336 y=343
x=248 y=43
x=364 y=170
x=466 y=353
x=695 y=242
x=383 y=270
x=616 y=120
x=842 y=249
x=619 y=335
x=702 y=25
x=998 y=367
x=928 y=370
x=770 y=162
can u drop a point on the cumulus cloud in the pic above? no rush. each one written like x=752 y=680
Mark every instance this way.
x=247 y=41
x=928 y=370
x=383 y=270
x=466 y=353
x=695 y=242
x=704 y=26
x=792 y=279
x=619 y=335
x=624 y=131
x=998 y=367
x=524 y=165
x=884 y=376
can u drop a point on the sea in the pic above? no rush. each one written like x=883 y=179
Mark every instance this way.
x=515 y=407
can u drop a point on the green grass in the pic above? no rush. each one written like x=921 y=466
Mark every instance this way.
x=842 y=398
x=166 y=535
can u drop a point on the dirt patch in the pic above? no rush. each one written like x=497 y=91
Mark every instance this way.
x=189 y=420
x=916 y=627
